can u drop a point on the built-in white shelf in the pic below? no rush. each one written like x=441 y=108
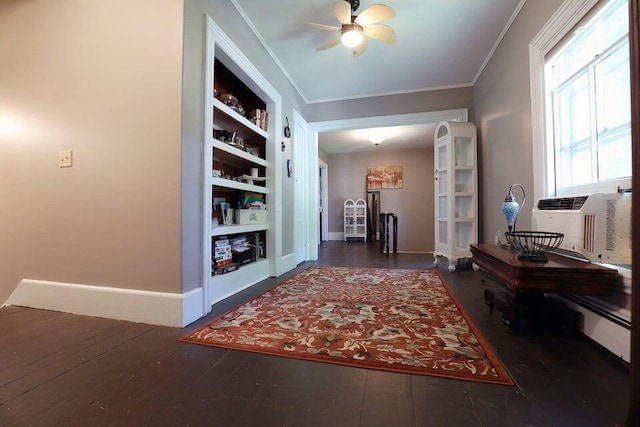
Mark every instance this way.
x=237 y=185
x=223 y=230
x=227 y=118
x=230 y=154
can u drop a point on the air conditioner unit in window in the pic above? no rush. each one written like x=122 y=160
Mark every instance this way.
x=596 y=226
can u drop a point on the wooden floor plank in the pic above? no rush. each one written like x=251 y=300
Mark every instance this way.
x=43 y=359
x=80 y=371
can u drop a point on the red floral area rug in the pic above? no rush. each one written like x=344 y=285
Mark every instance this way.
x=390 y=319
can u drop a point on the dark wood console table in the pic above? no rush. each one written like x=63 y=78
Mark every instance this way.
x=527 y=282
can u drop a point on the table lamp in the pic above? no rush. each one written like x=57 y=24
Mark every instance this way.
x=511 y=208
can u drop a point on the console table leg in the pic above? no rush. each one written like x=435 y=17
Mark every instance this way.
x=489 y=299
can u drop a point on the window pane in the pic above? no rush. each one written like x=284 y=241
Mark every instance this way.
x=573 y=111
x=614 y=155
x=613 y=117
x=574 y=167
x=578 y=53
x=573 y=130
x=615 y=24
x=583 y=50
x=613 y=90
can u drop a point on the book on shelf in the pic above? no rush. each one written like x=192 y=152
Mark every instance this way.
x=223 y=255
x=225 y=269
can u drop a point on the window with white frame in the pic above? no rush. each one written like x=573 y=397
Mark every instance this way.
x=587 y=128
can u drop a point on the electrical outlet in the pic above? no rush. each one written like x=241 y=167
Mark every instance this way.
x=64 y=159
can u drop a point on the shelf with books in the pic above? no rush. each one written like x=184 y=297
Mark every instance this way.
x=241 y=163
x=245 y=276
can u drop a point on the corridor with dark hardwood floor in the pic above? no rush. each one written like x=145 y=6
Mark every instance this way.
x=60 y=369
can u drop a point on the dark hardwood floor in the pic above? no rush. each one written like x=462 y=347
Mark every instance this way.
x=59 y=369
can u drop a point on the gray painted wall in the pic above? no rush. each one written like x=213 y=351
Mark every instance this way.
x=413 y=203
x=503 y=117
x=445 y=99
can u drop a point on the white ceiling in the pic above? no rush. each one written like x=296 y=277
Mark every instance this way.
x=440 y=44
x=396 y=137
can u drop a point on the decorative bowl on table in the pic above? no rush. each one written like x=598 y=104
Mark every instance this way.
x=533 y=245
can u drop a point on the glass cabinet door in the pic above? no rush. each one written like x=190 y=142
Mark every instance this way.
x=442 y=188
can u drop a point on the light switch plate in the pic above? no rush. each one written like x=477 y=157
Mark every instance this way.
x=64 y=159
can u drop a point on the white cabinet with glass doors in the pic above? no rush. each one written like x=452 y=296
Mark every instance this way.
x=456 y=191
x=355 y=219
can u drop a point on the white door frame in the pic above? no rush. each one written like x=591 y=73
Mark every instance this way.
x=325 y=200
x=459 y=115
x=299 y=147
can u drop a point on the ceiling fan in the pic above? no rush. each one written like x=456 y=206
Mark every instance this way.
x=355 y=29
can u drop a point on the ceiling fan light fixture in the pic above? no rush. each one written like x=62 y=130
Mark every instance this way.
x=351 y=35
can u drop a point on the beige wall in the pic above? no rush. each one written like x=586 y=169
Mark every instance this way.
x=413 y=203
x=101 y=78
x=503 y=118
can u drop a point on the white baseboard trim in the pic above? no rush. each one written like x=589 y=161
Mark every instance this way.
x=288 y=263
x=192 y=308
x=336 y=235
x=613 y=337
x=156 y=308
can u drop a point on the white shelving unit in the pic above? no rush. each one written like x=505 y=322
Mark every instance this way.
x=355 y=219
x=227 y=68
x=456 y=194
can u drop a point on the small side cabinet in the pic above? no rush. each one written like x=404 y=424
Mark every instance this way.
x=355 y=219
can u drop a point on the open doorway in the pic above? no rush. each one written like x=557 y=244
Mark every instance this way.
x=318 y=129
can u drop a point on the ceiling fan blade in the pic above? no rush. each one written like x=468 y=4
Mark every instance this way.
x=329 y=44
x=359 y=50
x=322 y=26
x=342 y=10
x=375 y=13
x=380 y=32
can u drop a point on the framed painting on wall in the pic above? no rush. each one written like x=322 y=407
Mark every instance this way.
x=379 y=177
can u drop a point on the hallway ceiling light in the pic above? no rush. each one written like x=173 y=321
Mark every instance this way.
x=376 y=139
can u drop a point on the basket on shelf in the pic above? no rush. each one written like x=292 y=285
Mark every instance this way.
x=533 y=245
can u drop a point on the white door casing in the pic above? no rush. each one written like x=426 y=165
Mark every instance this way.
x=300 y=193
